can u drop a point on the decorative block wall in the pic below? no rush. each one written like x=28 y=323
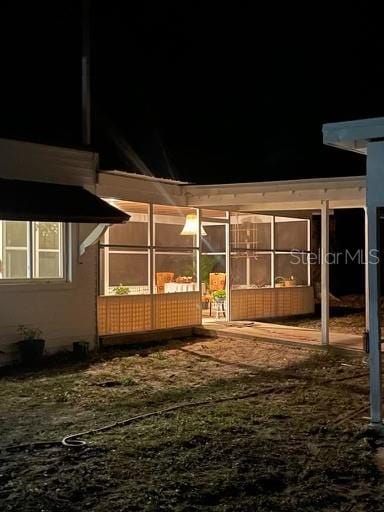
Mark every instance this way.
x=133 y=313
x=271 y=302
x=126 y=313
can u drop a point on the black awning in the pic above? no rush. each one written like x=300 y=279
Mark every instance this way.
x=31 y=200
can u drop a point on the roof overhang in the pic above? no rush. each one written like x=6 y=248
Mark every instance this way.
x=271 y=196
x=344 y=192
x=47 y=202
x=354 y=135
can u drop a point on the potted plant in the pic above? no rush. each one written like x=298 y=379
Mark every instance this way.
x=31 y=346
x=290 y=282
x=280 y=281
x=121 y=290
x=219 y=296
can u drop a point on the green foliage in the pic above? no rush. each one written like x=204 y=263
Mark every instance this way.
x=219 y=294
x=121 y=290
x=28 y=333
x=207 y=264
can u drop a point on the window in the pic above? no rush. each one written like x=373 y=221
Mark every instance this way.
x=31 y=250
x=125 y=253
x=291 y=234
x=250 y=269
x=169 y=222
x=269 y=251
x=141 y=257
x=175 y=249
x=251 y=238
x=124 y=271
x=251 y=231
x=291 y=269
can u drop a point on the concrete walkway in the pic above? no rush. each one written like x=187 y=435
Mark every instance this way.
x=281 y=334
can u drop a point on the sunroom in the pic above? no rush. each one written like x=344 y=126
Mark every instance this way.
x=176 y=264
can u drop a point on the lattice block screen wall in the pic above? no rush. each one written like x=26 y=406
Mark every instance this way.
x=271 y=302
x=177 y=309
x=127 y=314
x=124 y=314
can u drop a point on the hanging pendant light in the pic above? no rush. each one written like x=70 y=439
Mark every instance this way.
x=191 y=226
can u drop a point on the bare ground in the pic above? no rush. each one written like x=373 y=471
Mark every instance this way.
x=346 y=316
x=297 y=443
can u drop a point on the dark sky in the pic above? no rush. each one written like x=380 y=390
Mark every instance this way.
x=206 y=93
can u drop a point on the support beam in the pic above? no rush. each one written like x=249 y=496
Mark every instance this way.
x=375 y=200
x=325 y=272
x=92 y=238
x=374 y=319
x=366 y=259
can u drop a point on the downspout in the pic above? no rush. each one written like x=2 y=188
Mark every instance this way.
x=85 y=74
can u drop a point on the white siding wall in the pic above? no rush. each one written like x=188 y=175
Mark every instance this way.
x=65 y=311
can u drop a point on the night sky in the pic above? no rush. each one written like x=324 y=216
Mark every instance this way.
x=202 y=93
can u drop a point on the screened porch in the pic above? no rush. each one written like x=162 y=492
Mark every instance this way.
x=176 y=266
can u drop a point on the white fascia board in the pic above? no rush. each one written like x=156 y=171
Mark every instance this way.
x=274 y=195
x=273 y=186
x=295 y=194
x=129 y=188
x=354 y=135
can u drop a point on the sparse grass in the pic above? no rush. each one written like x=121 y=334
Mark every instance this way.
x=276 y=451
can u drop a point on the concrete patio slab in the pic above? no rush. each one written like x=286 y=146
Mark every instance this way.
x=281 y=333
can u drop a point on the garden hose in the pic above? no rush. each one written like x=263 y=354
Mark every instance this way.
x=73 y=441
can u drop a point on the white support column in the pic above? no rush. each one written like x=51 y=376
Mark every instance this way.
x=366 y=260
x=198 y=260
x=228 y=268
x=374 y=320
x=151 y=263
x=375 y=173
x=325 y=272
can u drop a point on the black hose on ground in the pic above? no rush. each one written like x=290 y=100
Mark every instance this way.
x=73 y=441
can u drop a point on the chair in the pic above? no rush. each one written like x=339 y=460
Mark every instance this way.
x=216 y=282
x=162 y=278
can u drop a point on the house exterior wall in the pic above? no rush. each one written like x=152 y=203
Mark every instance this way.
x=64 y=310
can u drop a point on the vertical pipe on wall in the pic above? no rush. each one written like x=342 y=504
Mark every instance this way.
x=325 y=272
x=85 y=74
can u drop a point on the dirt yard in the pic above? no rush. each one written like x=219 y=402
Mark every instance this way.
x=292 y=436
x=346 y=321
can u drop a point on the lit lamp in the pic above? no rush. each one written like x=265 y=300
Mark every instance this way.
x=191 y=226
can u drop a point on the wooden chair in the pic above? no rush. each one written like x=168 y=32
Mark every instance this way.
x=162 y=278
x=216 y=282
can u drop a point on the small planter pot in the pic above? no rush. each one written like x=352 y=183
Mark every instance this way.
x=31 y=351
x=81 y=350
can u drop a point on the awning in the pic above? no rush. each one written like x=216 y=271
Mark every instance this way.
x=31 y=200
